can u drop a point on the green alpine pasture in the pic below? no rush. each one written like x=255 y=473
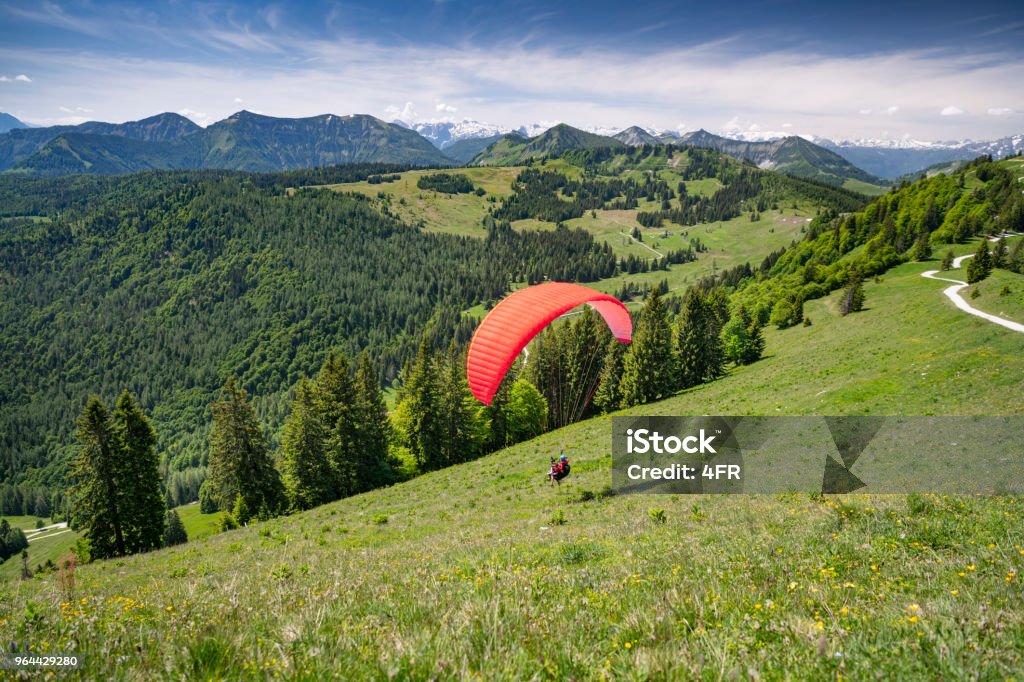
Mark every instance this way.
x=484 y=571
x=436 y=211
x=1001 y=293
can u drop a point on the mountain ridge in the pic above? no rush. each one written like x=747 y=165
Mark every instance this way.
x=514 y=148
x=242 y=141
x=9 y=122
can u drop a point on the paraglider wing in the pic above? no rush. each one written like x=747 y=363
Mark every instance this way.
x=521 y=316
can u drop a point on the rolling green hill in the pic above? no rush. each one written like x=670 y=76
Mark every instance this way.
x=247 y=141
x=72 y=153
x=514 y=149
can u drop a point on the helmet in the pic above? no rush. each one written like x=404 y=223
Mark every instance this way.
x=563 y=457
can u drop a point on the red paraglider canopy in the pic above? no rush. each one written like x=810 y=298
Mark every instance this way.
x=521 y=316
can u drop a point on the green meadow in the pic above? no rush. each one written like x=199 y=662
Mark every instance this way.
x=1002 y=294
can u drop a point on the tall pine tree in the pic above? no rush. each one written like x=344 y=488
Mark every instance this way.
x=373 y=468
x=144 y=507
x=98 y=499
x=240 y=467
x=336 y=399
x=979 y=267
x=648 y=370
x=305 y=469
x=417 y=413
x=698 y=343
x=464 y=430
x=608 y=397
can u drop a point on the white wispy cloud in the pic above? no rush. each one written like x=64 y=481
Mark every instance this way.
x=200 y=117
x=443 y=108
x=513 y=84
x=405 y=113
x=951 y=111
x=1000 y=111
x=23 y=78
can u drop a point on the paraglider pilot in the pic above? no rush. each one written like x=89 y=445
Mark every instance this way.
x=559 y=469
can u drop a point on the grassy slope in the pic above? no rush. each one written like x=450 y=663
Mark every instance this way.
x=731 y=242
x=467 y=573
x=51 y=546
x=453 y=213
x=867 y=188
x=990 y=299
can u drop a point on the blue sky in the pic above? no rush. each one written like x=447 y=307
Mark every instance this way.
x=930 y=70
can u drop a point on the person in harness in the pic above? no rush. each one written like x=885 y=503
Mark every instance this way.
x=559 y=469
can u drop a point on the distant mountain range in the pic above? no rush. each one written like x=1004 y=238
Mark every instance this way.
x=243 y=141
x=443 y=134
x=793 y=155
x=248 y=141
x=895 y=158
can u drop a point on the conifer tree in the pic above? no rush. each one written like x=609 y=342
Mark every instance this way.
x=144 y=506
x=463 y=430
x=698 y=341
x=547 y=371
x=999 y=254
x=648 y=370
x=497 y=413
x=305 y=470
x=757 y=339
x=584 y=342
x=97 y=498
x=12 y=540
x=1015 y=261
x=922 y=247
x=373 y=429
x=174 y=533
x=979 y=267
x=336 y=403
x=947 y=260
x=609 y=395
x=418 y=410
x=852 y=300
x=239 y=464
